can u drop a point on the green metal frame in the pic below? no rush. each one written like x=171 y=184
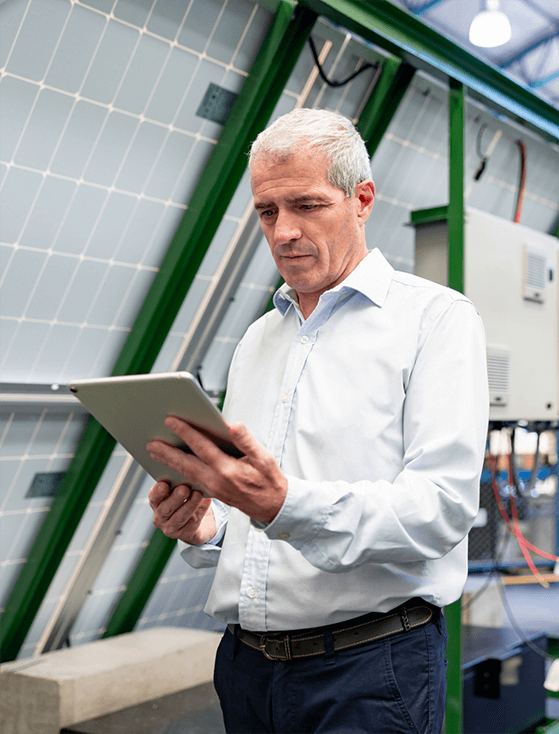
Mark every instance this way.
x=456 y=213
x=379 y=22
x=155 y=557
x=456 y=237
x=261 y=90
x=426 y=216
x=393 y=29
x=384 y=100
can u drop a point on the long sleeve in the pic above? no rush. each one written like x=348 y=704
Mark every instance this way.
x=430 y=505
x=207 y=555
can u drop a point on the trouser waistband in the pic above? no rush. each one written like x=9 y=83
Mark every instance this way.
x=283 y=646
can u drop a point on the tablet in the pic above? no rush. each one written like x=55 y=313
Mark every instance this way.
x=132 y=408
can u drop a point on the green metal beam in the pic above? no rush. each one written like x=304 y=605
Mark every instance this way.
x=456 y=216
x=426 y=216
x=454 y=696
x=288 y=40
x=388 y=26
x=261 y=90
x=384 y=100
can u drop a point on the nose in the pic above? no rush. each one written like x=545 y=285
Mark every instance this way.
x=287 y=227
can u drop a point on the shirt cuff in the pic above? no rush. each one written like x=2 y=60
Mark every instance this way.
x=201 y=556
x=303 y=514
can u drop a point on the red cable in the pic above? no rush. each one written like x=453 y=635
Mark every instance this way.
x=522 y=543
x=492 y=460
x=522 y=185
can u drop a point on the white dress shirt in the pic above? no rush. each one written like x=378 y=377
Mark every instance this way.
x=376 y=409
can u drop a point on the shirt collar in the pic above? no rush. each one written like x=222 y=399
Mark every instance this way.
x=372 y=278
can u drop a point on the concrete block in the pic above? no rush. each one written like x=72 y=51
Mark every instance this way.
x=64 y=687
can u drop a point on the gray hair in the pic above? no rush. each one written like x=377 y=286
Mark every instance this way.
x=321 y=130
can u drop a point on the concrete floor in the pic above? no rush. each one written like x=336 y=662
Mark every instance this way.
x=197 y=711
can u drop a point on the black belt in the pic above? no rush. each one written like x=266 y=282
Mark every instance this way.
x=306 y=643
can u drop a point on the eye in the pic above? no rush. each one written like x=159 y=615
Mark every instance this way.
x=308 y=207
x=266 y=213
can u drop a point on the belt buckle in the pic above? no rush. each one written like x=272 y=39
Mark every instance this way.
x=278 y=637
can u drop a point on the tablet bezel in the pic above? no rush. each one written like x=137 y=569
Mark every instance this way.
x=132 y=408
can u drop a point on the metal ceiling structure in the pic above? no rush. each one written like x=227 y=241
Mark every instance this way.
x=531 y=57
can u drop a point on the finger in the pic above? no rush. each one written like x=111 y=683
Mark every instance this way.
x=174 y=458
x=202 y=446
x=172 y=502
x=202 y=505
x=197 y=474
x=158 y=493
x=190 y=511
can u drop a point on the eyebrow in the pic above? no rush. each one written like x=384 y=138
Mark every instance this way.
x=303 y=198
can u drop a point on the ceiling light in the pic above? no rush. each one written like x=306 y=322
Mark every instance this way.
x=490 y=27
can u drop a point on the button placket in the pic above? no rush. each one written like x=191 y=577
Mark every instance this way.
x=252 y=607
x=299 y=352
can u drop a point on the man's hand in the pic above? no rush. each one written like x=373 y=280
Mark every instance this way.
x=253 y=484
x=183 y=514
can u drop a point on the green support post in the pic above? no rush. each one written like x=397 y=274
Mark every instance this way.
x=288 y=47
x=261 y=90
x=385 y=98
x=456 y=215
x=455 y=212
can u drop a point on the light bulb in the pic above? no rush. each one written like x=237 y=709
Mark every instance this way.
x=490 y=27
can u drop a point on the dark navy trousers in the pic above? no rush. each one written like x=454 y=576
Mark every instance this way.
x=392 y=686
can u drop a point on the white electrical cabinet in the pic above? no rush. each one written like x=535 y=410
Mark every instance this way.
x=511 y=273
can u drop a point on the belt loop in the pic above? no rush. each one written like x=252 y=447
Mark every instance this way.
x=287 y=647
x=236 y=629
x=404 y=617
x=329 y=653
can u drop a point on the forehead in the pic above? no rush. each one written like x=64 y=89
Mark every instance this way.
x=303 y=171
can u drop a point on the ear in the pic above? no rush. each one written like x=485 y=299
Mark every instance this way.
x=365 y=194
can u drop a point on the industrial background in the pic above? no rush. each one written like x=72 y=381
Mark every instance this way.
x=128 y=244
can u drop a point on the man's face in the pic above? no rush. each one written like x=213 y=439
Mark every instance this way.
x=316 y=234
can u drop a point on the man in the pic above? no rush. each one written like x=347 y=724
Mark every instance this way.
x=342 y=532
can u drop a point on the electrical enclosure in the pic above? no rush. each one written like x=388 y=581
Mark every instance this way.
x=511 y=275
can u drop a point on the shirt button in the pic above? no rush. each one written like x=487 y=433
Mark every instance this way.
x=304 y=339
x=284 y=536
x=253 y=593
x=285 y=398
